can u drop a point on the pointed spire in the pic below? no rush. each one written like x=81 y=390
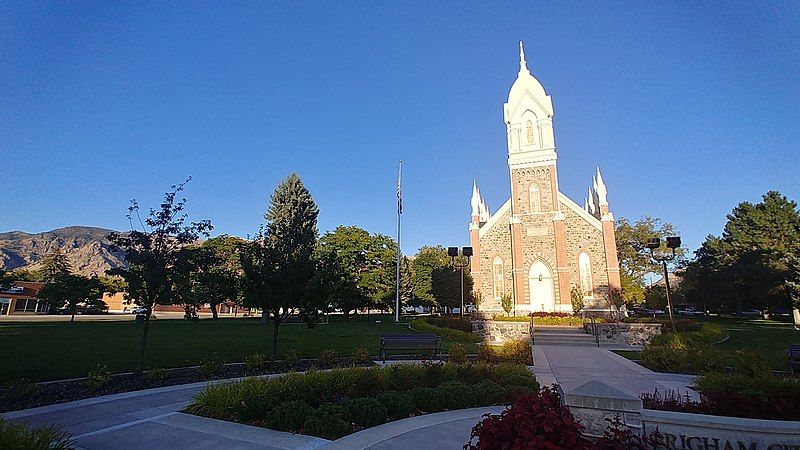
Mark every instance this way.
x=475 y=201
x=600 y=187
x=590 y=201
x=523 y=65
x=484 y=211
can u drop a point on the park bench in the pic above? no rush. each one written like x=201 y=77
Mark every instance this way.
x=426 y=342
x=794 y=358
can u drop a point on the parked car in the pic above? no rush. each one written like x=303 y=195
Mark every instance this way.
x=752 y=313
x=689 y=312
x=139 y=310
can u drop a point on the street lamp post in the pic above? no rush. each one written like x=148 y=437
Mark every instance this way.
x=458 y=263
x=653 y=244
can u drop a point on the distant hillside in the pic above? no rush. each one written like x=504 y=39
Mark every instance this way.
x=87 y=249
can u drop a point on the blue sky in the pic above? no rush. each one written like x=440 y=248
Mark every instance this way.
x=687 y=108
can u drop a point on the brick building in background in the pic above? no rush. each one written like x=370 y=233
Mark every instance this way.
x=540 y=244
x=21 y=299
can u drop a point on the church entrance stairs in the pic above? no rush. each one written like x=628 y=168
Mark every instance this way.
x=566 y=336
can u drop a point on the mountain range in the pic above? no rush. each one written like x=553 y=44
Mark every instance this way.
x=87 y=249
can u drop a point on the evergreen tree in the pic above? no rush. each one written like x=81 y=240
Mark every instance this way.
x=279 y=265
x=53 y=265
x=751 y=264
x=6 y=280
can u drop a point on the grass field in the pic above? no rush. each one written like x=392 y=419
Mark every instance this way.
x=769 y=338
x=56 y=350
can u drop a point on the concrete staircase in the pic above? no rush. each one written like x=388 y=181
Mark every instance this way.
x=558 y=335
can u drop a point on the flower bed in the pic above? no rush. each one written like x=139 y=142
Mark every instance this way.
x=762 y=397
x=449 y=334
x=334 y=403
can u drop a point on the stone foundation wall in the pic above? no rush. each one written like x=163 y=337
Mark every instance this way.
x=498 y=332
x=632 y=334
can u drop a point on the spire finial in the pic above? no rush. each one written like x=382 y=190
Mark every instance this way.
x=523 y=65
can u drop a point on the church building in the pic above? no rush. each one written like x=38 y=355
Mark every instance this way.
x=540 y=247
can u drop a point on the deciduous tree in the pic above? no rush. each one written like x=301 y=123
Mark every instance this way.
x=66 y=290
x=151 y=253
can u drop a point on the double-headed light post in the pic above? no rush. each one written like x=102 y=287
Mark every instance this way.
x=459 y=263
x=654 y=244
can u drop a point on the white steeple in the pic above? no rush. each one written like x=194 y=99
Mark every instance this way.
x=600 y=188
x=523 y=65
x=475 y=201
x=528 y=118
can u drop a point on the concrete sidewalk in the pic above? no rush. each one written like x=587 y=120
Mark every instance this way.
x=571 y=367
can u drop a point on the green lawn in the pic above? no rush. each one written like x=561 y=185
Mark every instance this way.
x=56 y=350
x=769 y=338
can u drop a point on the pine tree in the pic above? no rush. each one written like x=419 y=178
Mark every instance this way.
x=278 y=264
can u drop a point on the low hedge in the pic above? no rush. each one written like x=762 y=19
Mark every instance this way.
x=681 y=325
x=693 y=352
x=736 y=395
x=320 y=402
x=455 y=322
x=560 y=319
x=448 y=334
x=514 y=351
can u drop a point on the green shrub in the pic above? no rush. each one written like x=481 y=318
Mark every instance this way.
x=514 y=351
x=328 y=358
x=739 y=395
x=453 y=322
x=361 y=356
x=20 y=390
x=98 y=377
x=427 y=400
x=155 y=375
x=458 y=354
x=365 y=412
x=706 y=359
x=399 y=405
x=425 y=387
x=327 y=422
x=664 y=358
x=448 y=334
x=456 y=395
x=488 y=393
x=210 y=365
x=290 y=416
x=291 y=357
x=751 y=364
x=19 y=436
x=256 y=362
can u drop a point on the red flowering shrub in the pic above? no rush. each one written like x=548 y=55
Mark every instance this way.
x=539 y=421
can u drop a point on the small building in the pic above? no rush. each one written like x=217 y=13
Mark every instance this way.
x=22 y=299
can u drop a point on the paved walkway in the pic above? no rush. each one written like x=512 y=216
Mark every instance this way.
x=571 y=367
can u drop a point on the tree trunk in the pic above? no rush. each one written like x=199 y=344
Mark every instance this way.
x=264 y=316
x=72 y=319
x=213 y=310
x=145 y=328
x=274 y=339
x=347 y=316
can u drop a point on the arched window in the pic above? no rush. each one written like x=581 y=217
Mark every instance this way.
x=585 y=267
x=529 y=132
x=499 y=280
x=534 y=198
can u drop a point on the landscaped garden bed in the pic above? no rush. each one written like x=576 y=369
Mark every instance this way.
x=23 y=394
x=331 y=404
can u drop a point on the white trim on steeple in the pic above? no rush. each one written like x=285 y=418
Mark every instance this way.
x=602 y=192
x=594 y=221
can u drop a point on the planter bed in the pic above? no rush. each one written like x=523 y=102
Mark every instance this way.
x=24 y=395
x=335 y=403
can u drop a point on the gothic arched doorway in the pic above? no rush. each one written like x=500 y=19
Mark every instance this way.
x=540 y=285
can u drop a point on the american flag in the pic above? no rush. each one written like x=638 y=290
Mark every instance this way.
x=399 y=188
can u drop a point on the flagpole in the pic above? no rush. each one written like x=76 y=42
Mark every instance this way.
x=399 y=213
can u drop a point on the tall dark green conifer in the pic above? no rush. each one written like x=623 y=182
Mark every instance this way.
x=278 y=264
